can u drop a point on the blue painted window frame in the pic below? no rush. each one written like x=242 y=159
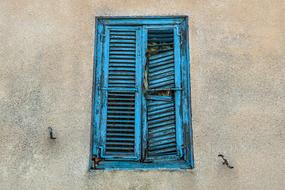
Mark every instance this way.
x=182 y=71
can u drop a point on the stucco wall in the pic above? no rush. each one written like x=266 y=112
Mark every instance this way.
x=238 y=94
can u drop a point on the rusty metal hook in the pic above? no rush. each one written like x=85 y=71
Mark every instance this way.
x=226 y=162
x=51 y=134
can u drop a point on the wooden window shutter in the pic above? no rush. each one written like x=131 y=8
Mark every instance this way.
x=141 y=105
x=163 y=95
x=121 y=112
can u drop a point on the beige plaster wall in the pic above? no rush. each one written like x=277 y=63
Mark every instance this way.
x=238 y=94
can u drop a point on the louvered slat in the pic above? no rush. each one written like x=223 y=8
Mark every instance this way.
x=161 y=126
x=161 y=121
x=121 y=120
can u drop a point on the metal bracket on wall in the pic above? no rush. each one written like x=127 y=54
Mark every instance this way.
x=97 y=159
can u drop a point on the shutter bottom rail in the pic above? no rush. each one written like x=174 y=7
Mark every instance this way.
x=128 y=165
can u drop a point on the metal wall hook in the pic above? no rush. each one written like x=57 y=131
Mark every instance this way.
x=226 y=162
x=51 y=134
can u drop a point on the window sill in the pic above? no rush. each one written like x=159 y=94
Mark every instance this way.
x=121 y=165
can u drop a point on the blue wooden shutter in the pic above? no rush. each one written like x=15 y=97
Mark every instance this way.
x=163 y=97
x=121 y=94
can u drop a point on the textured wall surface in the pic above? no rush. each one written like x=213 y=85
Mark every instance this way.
x=238 y=94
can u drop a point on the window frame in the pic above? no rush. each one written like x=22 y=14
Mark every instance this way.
x=146 y=23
